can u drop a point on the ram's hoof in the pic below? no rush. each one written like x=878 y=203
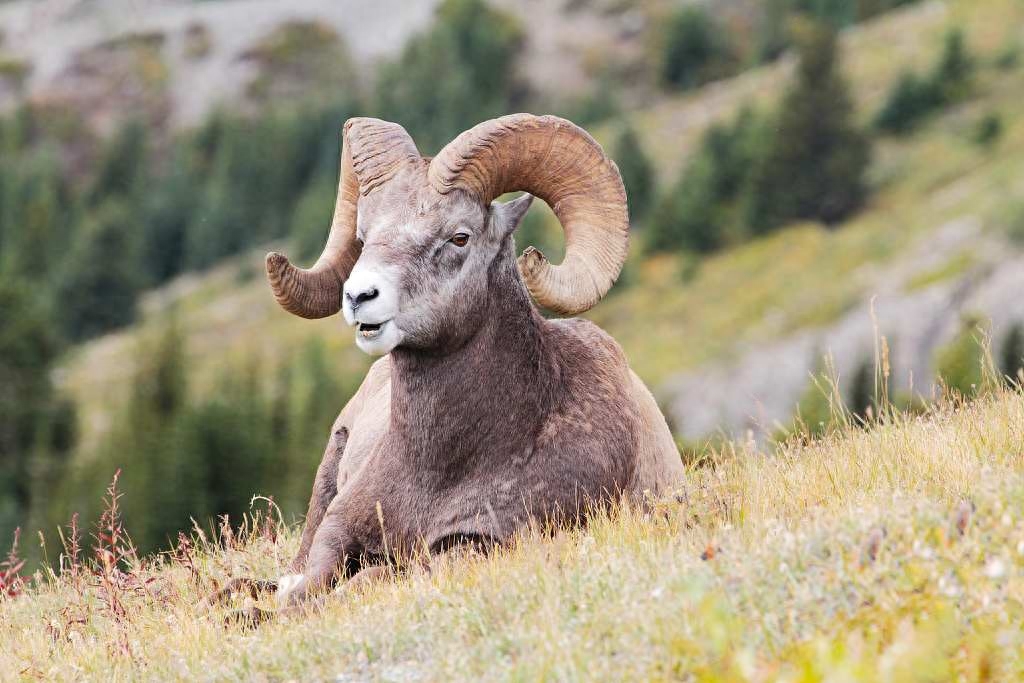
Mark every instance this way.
x=247 y=618
x=247 y=587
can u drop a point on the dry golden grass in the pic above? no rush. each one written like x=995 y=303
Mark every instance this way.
x=894 y=553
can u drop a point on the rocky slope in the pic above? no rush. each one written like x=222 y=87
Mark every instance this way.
x=758 y=389
x=196 y=50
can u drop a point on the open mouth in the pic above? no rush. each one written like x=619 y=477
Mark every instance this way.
x=370 y=330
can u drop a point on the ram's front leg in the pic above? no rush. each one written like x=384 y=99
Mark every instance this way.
x=333 y=554
x=330 y=554
x=325 y=488
x=250 y=587
x=297 y=592
x=329 y=564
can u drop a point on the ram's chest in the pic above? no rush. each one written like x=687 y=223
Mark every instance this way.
x=397 y=491
x=390 y=505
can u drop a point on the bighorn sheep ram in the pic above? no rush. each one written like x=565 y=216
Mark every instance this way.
x=483 y=414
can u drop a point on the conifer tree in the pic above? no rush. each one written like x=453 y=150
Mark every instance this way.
x=101 y=279
x=459 y=72
x=637 y=172
x=815 y=163
x=28 y=347
x=694 y=48
x=1013 y=351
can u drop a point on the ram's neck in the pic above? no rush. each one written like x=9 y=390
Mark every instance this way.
x=489 y=396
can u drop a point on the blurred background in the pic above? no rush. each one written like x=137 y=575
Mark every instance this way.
x=827 y=202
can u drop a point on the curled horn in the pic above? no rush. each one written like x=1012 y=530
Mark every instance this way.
x=559 y=162
x=372 y=152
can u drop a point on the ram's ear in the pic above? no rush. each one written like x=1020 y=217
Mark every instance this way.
x=506 y=216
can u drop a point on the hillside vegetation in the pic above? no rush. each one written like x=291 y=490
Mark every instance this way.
x=812 y=540
x=800 y=277
x=166 y=230
x=891 y=554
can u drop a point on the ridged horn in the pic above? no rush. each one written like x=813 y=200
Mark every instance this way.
x=562 y=164
x=372 y=152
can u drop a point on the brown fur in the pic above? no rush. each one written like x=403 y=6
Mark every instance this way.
x=484 y=415
x=528 y=418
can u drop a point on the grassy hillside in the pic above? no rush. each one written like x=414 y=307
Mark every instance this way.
x=802 y=277
x=806 y=275
x=893 y=554
x=874 y=54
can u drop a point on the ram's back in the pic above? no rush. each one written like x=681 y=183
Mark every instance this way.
x=607 y=378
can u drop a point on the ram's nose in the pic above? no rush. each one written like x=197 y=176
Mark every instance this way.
x=361 y=295
x=369 y=295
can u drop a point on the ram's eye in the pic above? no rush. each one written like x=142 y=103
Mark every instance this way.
x=460 y=239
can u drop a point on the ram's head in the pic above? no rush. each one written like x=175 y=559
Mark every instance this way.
x=414 y=241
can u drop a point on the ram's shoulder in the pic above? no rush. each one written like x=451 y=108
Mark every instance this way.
x=374 y=390
x=379 y=373
x=581 y=337
x=592 y=362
